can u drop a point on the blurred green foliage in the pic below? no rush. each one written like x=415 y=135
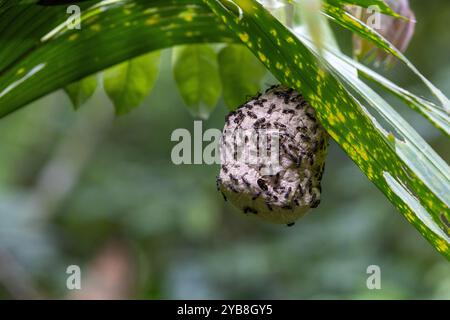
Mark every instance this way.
x=175 y=233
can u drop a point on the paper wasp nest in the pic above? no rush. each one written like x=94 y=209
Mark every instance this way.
x=273 y=153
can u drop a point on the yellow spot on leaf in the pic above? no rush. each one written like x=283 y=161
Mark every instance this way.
x=244 y=37
x=363 y=155
x=73 y=37
x=321 y=73
x=187 y=16
x=370 y=173
x=246 y=5
x=96 y=27
x=333 y=119
x=152 y=20
x=262 y=57
x=150 y=10
x=340 y=116
x=442 y=246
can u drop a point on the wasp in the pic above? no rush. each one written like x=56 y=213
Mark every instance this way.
x=224 y=197
x=308 y=186
x=310 y=116
x=300 y=191
x=314 y=147
x=249 y=209
x=287 y=194
x=288 y=111
x=235 y=181
x=262 y=184
x=277 y=178
x=305 y=137
x=279 y=125
x=314 y=201
x=239 y=118
x=252 y=115
x=258 y=123
x=271 y=87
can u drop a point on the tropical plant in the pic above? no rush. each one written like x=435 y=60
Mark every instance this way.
x=40 y=53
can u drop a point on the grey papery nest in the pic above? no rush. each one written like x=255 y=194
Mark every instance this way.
x=273 y=153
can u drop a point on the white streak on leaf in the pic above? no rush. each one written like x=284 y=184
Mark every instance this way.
x=15 y=84
x=414 y=204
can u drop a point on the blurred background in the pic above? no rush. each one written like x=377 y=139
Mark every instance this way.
x=84 y=188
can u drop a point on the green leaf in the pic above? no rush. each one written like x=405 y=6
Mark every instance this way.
x=382 y=6
x=128 y=83
x=40 y=55
x=408 y=143
x=434 y=113
x=238 y=85
x=311 y=18
x=417 y=186
x=350 y=22
x=196 y=73
x=79 y=92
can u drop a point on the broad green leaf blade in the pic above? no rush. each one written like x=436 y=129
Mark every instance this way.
x=37 y=57
x=312 y=19
x=196 y=73
x=79 y=92
x=28 y=75
x=238 y=85
x=382 y=6
x=23 y=26
x=408 y=144
x=345 y=119
x=350 y=22
x=128 y=83
x=41 y=2
x=428 y=109
x=434 y=113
